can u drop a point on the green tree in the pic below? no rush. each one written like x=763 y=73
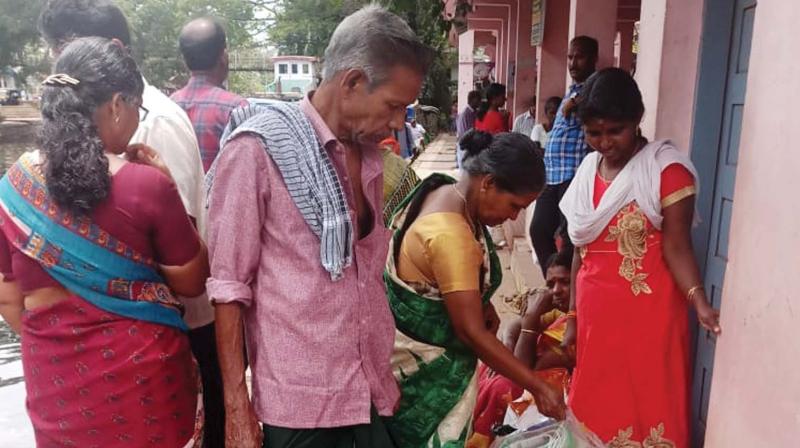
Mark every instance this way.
x=426 y=18
x=155 y=25
x=304 y=27
x=18 y=34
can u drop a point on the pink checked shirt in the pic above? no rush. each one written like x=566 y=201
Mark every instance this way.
x=319 y=350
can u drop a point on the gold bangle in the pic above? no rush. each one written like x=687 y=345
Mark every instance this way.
x=572 y=314
x=525 y=330
x=690 y=294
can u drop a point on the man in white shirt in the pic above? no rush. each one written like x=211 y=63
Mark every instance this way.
x=525 y=121
x=541 y=130
x=165 y=128
x=417 y=134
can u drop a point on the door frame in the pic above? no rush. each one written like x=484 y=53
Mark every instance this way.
x=709 y=105
x=709 y=111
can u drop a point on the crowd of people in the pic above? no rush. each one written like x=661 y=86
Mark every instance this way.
x=153 y=249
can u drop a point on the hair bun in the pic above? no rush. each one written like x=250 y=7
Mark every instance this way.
x=474 y=141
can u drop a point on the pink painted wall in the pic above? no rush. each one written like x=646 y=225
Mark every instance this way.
x=449 y=8
x=511 y=19
x=525 y=81
x=598 y=19
x=667 y=63
x=755 y=394
x=504 y=10
x=552 y=54
x=499 y=10
x=487 y=40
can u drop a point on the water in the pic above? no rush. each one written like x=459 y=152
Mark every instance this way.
x=17 y=431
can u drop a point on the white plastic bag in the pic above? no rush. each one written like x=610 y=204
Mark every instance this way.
x=569 y=433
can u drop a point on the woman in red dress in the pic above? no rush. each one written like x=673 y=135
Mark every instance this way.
x=489 y=118
x=630 y=210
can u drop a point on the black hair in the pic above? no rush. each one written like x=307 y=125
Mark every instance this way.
x=562 y=258
x=510 y=157
x=611 y=94
x=493 y=91
x=76 y=168
x=428 y=185
x=473 y=95
x=553 y=101
x=587 y=44
x=202 y=51
x=63 y=20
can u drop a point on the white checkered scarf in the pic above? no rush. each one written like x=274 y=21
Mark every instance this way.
x=307 y=171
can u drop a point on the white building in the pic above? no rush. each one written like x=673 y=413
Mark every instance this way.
x=293 y=75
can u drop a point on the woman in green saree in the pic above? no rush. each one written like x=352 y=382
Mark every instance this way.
x=442 y=271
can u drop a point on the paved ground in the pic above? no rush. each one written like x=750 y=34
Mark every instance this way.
x=17 y=431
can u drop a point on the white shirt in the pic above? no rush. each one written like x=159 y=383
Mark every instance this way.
x=539 y=134
x=417 y=133
x=167 y=130
x=524 y=123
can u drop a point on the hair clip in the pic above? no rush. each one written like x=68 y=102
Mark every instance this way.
x=60 y=79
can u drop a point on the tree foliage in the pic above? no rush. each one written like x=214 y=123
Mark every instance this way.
x=155 y=25
x=18 y=32
x=304 y=27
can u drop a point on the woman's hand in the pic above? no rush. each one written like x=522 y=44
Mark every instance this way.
x=550 y=401
x=539 y=302
x=707 y=316
x=570 y=334
x=145 y=155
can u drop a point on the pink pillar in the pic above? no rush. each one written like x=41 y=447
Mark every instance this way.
x=516 y=17
x=502 y=15
x=525 y=81
x=597 y=19
x=552 y=54
x=755 y=394
x=626 y=45
x=466 y=46
x=666 y=67
x=505 y=11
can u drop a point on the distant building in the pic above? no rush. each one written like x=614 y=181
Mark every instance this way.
x=8 y=78
x=293 y=75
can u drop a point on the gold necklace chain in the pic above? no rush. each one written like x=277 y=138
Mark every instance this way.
x=639 y=145
x=466 y=209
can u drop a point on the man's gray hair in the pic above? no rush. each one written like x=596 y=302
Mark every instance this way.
x=374 y=40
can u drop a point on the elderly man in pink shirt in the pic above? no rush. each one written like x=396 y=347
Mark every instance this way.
x=298 y=247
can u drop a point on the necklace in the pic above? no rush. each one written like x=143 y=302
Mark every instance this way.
x=639 y=145
x=602 y=179
x=466 y=209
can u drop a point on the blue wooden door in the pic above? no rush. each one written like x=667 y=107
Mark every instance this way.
x=741 y=32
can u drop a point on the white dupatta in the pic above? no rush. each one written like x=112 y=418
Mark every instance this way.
x=639 y=180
